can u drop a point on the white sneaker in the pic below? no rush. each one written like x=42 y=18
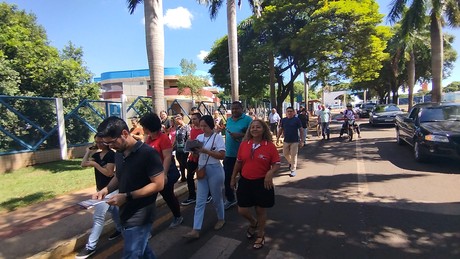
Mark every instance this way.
x=292 y=174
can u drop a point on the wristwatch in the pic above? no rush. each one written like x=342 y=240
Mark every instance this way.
x=129 y=196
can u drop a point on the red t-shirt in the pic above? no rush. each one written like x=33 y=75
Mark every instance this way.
x=159 y=144
x=257 y=162
x=194 y=132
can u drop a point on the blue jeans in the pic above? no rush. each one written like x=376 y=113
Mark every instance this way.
x=305 y=133
x=325 y=128
x=136 y=242
x=214 y=182
x=98 y=221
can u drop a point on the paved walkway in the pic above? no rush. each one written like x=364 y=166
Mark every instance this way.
x=54 y=228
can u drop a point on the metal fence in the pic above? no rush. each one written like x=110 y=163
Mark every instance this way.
x=30 y=124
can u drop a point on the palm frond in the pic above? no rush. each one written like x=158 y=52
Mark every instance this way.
x=397 y=10
x=132 y=4
x=452 y=12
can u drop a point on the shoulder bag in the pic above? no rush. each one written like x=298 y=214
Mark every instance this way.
x=201 y=172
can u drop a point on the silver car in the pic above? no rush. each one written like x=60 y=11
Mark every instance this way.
x=384 y=114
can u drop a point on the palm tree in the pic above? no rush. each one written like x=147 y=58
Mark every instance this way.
x=154 y=37
x=438 y=9
x=214 y=6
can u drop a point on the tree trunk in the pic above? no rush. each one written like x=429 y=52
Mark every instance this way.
x=436 y=57
x=411 y=78
x=233 y=48
x=271 y=61
x=154 y=36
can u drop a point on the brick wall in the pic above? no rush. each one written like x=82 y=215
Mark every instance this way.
x=12 y=162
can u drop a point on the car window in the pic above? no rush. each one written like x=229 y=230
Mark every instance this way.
x=414 y=113
x=440 y=113
x=386 y=108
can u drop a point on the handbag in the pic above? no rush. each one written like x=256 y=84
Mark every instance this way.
x=201 y=172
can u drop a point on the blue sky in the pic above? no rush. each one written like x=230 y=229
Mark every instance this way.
x=114 y=40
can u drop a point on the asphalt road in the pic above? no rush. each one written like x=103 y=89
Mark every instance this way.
x=362 y=199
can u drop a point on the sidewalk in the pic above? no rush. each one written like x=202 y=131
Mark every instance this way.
x=53 y=228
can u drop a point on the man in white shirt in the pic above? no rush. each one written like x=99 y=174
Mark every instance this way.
x=274 y=120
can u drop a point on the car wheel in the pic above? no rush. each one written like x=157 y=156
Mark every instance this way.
x=418 y=153
x=398 y=138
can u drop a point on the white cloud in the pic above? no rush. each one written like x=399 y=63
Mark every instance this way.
x=203 y=54
x=178 y=18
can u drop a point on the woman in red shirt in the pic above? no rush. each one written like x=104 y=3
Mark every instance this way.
x=155 y=138
x=257 y=161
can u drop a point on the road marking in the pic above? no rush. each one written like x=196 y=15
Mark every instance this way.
x=217 y=247
x=277 y=254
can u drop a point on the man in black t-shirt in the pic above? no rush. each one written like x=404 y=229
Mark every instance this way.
x=102 y=158
x=139 y=177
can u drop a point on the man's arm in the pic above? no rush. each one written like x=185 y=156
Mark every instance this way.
x=156 y=184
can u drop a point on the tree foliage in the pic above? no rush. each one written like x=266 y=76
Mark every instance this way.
x=29 y=66
x=188 y=80
x=330 y=42
x=452 y=87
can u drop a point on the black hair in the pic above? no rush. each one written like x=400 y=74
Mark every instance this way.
x=238 y=103
x=197 y=114
x=111 y=127
x=209 y=120
x=151 y=121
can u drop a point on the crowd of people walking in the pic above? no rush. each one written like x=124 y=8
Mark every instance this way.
x=218 y=153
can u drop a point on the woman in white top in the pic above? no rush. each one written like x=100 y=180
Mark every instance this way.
x=211 y=153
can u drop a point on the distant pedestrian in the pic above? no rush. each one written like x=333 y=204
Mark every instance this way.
x=236 y=128
x=210 y=154
x=192 y=163
x=182 y=135
x=136 y=131
x=161 y=143
x=274 y=120
x=291 y=128
x=102 y=158
x=325 y=118
x=304 y=119
x=218 y=122
x=139 y=177
x=165 y=122
x=257 y=162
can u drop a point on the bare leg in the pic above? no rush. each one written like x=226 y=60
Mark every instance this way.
x=261 y=220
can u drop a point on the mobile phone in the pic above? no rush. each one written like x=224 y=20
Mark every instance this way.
x=93 y=147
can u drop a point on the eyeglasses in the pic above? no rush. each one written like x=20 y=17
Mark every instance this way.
x=110 y=142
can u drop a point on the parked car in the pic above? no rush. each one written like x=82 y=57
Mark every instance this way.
x=432 y=129
x=384 y=114
x=365 y=110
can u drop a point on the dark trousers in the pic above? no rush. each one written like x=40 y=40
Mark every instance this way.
x=182 y=159
x=229 y=164
x=191 y=167
x=274 y=128
x=170 y=198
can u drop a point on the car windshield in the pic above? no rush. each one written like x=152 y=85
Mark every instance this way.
x=368 y=106
x=386 y=108
x=442 y=113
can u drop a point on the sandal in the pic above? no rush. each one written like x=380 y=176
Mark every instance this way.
x=259 y=244
x=250 y=234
